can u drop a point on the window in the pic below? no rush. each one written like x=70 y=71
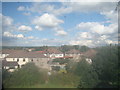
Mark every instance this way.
x=32 y=60
x=24 y=60
x=17 y=60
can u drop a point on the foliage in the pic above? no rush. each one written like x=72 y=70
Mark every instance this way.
x=106 y=65
x=42 y=48
x=62 y=71
x=61 y=60
x=56 y=68
x=88 y=77
x=84 y=48
x=66 y=48
x=26 y=76
x=64 y=79
x=71 y=66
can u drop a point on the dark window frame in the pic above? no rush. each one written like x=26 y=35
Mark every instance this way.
x=23 y=59
x=17 y=59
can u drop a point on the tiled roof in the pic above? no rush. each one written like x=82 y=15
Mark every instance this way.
x=25 y=54
x=73 y=51
x=90 y=53
x=8 y=63
x=53 y=50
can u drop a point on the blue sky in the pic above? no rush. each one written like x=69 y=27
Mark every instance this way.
x=58 y=23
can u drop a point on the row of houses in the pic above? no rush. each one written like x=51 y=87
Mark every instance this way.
x=13 y=59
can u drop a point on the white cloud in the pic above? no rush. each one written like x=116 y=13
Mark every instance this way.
x=17 y=36
x=84 y=35
x=95 y=34
x=21 y=8
x=6 y=20
x=47 y=20
x=30 y=37
x=7 y=23
x=38 y=28
x=61 y=33
x=98 y=28
x=81 y=42
x=26 y=13
x=111 y=41
x=112 y=15
x=20 y=36
x=10 y=35
x=24 y=28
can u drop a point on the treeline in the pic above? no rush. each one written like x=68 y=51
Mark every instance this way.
x=102 y=73
x=63 y=48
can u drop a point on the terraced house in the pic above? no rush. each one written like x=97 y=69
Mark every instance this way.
x=22 y=57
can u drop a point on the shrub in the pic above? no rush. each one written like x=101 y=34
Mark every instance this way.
x=26 y=76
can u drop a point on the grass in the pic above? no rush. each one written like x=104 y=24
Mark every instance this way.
x=48 y=85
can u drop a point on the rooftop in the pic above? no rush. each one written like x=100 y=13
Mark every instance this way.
x=24 y=54
x=8 y=63
x=73 y=51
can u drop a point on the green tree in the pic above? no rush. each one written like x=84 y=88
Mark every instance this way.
x=61 y=60
x=106 y=65
x=26 y=76
x=88 y=76
x=84 y=48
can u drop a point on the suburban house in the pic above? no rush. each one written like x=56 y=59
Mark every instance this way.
x=22 y=57
x=53 y=53
x=43 y=59
x=4 y=53
x=73 y=53
x=90 y=53
x=10 y=66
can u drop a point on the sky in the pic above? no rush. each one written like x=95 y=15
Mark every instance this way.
x=59 y=23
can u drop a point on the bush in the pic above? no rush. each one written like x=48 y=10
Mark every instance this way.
x=88 y=77
x=67 y=79
x=26 y=76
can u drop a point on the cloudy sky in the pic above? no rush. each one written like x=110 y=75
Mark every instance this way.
x=59 y=23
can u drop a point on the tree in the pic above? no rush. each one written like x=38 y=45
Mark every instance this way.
x=88 y=76
x=84 y=48
x=77 y=47
x=25 y=76
x=61 y=60
x=66 y=48
x=105 y=64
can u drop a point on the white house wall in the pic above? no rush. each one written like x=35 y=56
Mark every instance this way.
x=56 y=55
x=20 y=62
x=3 y=55
x=41 y=62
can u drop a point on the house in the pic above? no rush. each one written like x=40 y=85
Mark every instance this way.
x=90 y=53
x=73 y=53
x=89 y=60
x=53 y=53
x=10 y=65
x=4 y=53
x=22 y=57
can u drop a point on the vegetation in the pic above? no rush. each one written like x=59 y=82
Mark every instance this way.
x=105 y=64
x=31 y=77
x=26 y=76
x=102 y=73
x=61 y=60
x=84 y=48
